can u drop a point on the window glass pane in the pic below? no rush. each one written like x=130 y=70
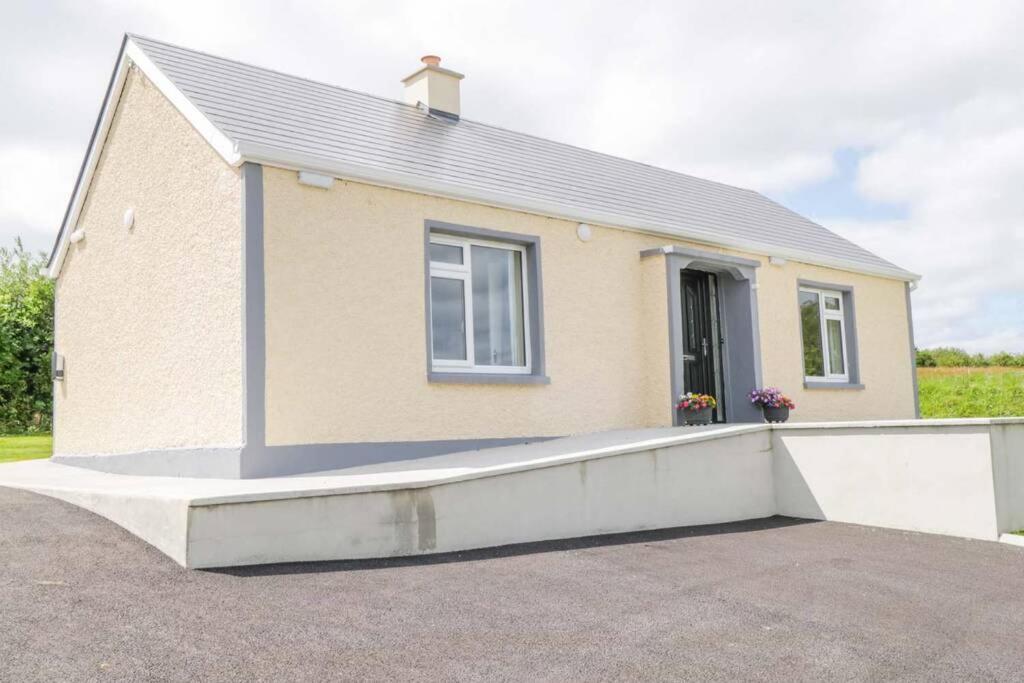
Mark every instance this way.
x=448 y=318
x=445 y=253
x=835 y=347
x=498 y=333
x=831 y=303
x=810 y=322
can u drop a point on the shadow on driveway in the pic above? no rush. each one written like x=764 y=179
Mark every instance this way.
x=515 y=550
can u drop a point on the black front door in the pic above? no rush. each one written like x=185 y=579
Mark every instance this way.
x=700 y=336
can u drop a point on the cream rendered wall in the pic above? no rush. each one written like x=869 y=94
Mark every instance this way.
x=346 y=357
x=654 y=309
x=149 y=320
x=882 y=338
x=346 y=345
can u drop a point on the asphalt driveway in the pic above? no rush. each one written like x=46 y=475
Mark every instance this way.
x=81 y=599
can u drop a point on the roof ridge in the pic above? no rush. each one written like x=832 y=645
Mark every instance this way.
x=270 y=70
x=569 y=174
x=462 y=119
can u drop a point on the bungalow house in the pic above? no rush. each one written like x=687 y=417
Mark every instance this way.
x=260 y=274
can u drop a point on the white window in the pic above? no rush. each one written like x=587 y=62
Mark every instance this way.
x=479 y=321
x=824 y=335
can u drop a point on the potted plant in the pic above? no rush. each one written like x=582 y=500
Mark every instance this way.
x=775 y=405
x=696 y=408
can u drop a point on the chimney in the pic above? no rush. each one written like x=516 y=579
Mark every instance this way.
x=435 y=87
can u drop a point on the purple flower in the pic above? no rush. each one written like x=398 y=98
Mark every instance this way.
x=770 y=397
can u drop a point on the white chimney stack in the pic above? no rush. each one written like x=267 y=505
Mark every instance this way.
x=436 y=88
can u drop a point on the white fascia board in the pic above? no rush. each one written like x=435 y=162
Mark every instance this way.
x=130 y=53
x=88 y=167
x=220 y=142
x=284 y=158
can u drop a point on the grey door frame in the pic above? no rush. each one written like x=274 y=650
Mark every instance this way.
x=737 y=300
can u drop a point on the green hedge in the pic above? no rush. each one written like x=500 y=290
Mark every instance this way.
x=26 y=340
x=947 y=357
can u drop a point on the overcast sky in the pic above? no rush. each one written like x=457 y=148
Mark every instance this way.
x=899 y=125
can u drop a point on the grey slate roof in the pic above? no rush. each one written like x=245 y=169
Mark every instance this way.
x=293 y=116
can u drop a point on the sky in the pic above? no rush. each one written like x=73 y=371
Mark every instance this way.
x=899 y=125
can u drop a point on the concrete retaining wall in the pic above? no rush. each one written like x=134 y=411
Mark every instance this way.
x=719 y=480
x=961 y=478
x=1008 y=474
x=937 y=479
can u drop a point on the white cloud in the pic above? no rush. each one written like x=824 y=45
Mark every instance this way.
x=757 y=94
x=961 y=175
x=34 y=184
x=989 y=343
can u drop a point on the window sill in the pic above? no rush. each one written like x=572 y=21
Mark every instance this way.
x=832 y=385
x=485 y=378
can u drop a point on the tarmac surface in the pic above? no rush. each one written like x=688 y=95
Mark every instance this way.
x=776 y=599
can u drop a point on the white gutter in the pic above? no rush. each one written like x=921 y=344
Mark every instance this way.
x=285 y=158
x=235 y=154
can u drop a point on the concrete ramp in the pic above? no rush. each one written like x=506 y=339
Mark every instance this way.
x=578 y=486
x=719 y=476
x=963 y=478
x=159 y=517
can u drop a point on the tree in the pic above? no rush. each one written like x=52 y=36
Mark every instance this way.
x=951 y=357
x=26 y=341
x=948 y=357
x=1002 y=359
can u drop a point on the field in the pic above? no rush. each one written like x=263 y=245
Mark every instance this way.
x=971 y=392
x=25 y=447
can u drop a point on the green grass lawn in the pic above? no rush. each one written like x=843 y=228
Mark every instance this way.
x=971 y=392
x=25 y=447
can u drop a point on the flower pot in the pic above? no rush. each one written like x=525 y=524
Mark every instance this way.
x=780 y=414
x=697 y=417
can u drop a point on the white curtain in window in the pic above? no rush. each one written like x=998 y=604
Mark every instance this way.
x=448 y=318
x=498 y=330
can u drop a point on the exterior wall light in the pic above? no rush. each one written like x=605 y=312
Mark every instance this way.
x=57 y=367
x=129 y=218
x=324 y=182
x=584 y=232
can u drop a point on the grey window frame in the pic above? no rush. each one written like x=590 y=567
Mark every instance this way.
x=534 y=306
x=853 y=371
